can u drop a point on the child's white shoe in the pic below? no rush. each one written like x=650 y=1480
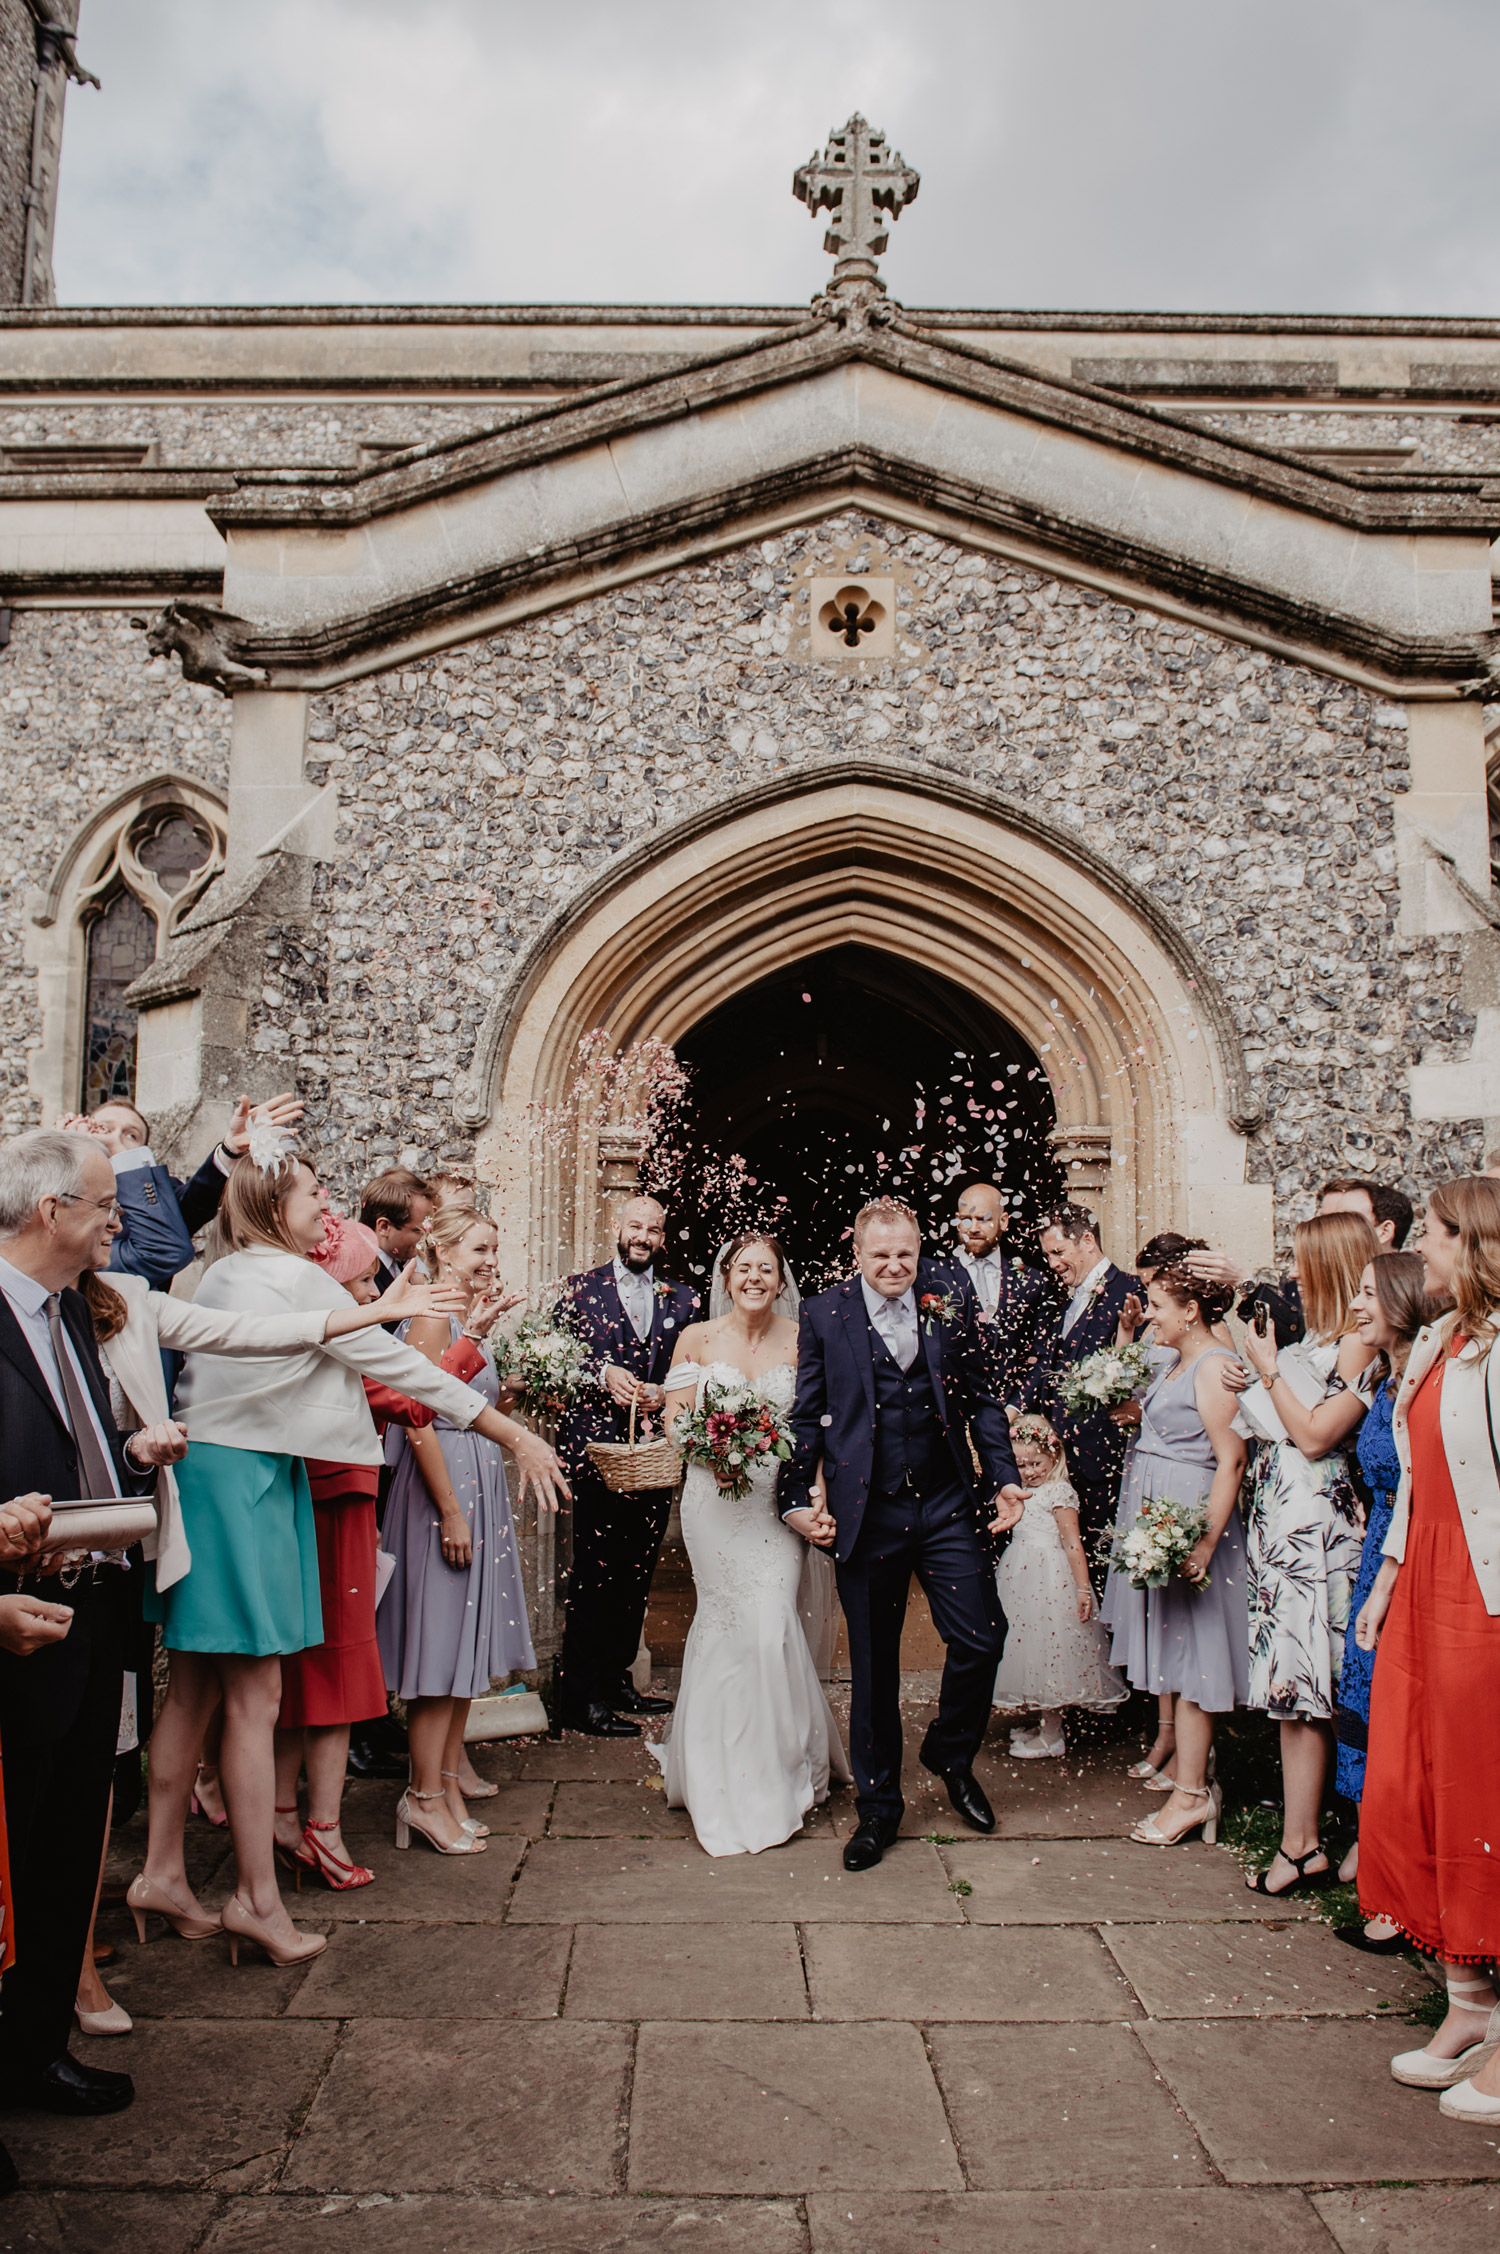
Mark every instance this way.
x=1036 y=1747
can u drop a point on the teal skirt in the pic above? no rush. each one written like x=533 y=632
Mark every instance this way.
x=252 y=1588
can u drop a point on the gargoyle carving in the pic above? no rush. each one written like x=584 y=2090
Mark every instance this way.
x=200 y=636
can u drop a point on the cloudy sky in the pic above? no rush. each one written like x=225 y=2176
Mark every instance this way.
x=1331 y=155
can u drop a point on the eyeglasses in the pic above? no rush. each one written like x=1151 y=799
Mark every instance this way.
x=109 y=1205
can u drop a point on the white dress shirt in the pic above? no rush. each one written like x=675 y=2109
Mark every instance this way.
x=1080 y=1298
x=896 y=1322
x=28 y=1303
x=985 y=1275
x=637 y=1289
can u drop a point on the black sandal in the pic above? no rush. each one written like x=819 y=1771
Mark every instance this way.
x=1357 y=1938
x=1325 y=1877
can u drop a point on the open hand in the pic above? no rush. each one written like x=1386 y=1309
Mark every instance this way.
x=280 y=1111
x=538 y=1471
x=412 y=1295
x=24 y=1521
x=1008 y=1506
x=1132 y=1315
x=158 y=1444
x=27 y=1623
x=1214 y=1269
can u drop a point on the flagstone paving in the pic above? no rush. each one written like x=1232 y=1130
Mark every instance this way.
x=595 y=2038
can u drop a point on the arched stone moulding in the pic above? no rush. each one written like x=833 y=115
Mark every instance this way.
x=55 y=939
x=1139 y=1047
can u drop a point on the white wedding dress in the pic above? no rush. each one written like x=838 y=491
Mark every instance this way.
x=752 y=1744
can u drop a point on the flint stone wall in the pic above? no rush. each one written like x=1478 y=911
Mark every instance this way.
x=83 y=714
x=482 y=789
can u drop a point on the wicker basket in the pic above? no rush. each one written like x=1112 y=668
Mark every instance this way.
x=628 y=1467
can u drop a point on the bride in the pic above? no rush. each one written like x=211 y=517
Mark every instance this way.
x=751 y=1744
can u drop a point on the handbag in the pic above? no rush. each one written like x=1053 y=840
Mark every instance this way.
x=98 y=1523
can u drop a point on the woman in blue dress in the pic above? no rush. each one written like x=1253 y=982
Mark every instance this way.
x=1391 y=1307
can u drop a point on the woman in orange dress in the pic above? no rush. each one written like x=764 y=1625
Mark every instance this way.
x=1429 y=1858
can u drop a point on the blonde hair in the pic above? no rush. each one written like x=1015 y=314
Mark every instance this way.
x=1333 y=1252
x=250 y=1210
x=447 y=1226
x=451 y=1189
x=1471 y=1208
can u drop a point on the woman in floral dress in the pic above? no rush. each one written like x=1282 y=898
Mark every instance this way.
x=1303 y=1535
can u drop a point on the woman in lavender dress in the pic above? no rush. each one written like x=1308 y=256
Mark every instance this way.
x=454 y=1615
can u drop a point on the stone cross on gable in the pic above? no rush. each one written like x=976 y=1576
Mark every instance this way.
x=857 y=178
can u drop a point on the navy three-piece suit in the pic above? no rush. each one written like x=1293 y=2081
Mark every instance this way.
x=904 y=1492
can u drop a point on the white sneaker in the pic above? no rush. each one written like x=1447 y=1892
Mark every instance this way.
x=1038 y=1748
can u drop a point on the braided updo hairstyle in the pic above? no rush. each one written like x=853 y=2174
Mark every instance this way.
x=1213 y=1300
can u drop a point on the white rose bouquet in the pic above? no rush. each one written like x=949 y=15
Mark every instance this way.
x=552 y=1363
x=1151 y=1553
x=734 y=1431
x=1103 y=1379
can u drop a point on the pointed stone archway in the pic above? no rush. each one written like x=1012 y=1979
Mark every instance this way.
x=1140 y=1049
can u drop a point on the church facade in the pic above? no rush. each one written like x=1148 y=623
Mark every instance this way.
x=397 y=700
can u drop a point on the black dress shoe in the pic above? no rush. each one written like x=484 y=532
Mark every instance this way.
x=966 y=1796
x=1357 y=1938
x=10 y=2174
x=870 y=1842
x=65 y=2086
x=631 y=1701
x=373 y=1761
x=597 y=1720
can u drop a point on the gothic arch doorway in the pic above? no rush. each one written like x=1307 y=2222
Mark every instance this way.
x=1140 y=1053
x=853 y=1072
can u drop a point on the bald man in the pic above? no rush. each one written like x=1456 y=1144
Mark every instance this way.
x=630 y=1318
x=1012 y=1298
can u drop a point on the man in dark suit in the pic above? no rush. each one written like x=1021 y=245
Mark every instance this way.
x=1011 y=1300
x=60 y=1706
x=395 y=1205
x=630 y=1319
x=1095 y=1443
x=893 y=1402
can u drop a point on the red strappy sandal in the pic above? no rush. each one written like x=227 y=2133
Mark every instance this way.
x=342 y=1877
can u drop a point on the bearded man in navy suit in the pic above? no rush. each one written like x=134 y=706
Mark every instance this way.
x=894 y=1402
x=1094 y=1441
x=631 y=1319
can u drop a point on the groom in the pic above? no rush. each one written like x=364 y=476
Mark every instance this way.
x=891 y=1389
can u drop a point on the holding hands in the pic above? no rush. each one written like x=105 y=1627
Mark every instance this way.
x=815 y=1522
x=1008 y=1506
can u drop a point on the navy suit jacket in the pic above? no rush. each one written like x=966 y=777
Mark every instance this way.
x=833 y=1418
x=1011 y=1336
x=158 y=1216
x=590 y=1308
x=1095 y=1443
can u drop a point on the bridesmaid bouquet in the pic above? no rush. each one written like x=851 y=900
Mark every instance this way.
x=733 y=1432
x=1150 y=1554
x=1103 y=1379
x=552 y=1363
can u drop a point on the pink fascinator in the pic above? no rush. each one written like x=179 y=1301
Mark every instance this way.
x=347 y=1249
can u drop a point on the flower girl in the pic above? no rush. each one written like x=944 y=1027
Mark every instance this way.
x=1056 y=1653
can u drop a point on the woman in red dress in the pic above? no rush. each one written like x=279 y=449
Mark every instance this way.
x=340 y=1681
x=1429 y=1857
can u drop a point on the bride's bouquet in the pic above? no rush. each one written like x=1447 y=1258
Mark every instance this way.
x=733 y=1432
x=1150 y=1554
x=1103 y=1379
x=552 y=1363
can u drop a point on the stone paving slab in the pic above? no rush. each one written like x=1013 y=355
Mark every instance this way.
x=391 y=1971
x=1086 y=1882
x=104 y=2222
x=414 y=1882
x=172 y=1979
x=1045 y=2108
x=1250 y=1971
x=787 y=2109
x=1435 y=2219
x=617 y=1811
x=966 y=1972
x=420 y=2223
x=210 y=2096
x=1288 y=2103
x=1122 y=2222
x=610 y=1882
x=207 y=1852
x=685 y=1972
x=413 y=2108
x=589 y=1760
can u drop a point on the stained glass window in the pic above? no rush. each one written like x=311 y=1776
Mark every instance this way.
x=121 y=946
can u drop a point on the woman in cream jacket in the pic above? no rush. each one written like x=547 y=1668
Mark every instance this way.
x=1430 y=1817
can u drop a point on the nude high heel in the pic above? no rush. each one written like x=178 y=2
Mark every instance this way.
x=408 y=1821
x=470 y=1823
x=143 y=1894
x=242 y=1925
x=1150 y=1835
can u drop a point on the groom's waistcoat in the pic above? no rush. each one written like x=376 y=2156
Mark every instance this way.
x=910 y=1446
